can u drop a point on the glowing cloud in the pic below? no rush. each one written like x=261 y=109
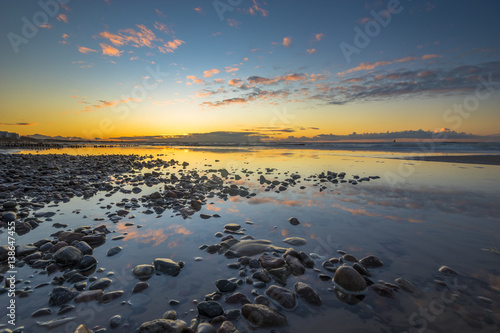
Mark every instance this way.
x=62 y=18
x=287 y=41
x=211 y=72
x=311 y=51
x=85 y=50
x=110 y=50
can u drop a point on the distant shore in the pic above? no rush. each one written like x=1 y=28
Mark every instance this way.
x=469 y=159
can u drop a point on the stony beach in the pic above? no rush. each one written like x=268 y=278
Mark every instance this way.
x=257 y=283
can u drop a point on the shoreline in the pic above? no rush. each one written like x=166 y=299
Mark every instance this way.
x=463 y=159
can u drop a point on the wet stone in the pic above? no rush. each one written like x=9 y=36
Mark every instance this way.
x=61 y=295
x=371 y=261
x=284 y=297
x=225 y=285
x=114 y=251
x=143 y=271
x=210 y=309
x=102 y=283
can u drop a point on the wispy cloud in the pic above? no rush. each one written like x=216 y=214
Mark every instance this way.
x=85 y=50
x=318 y=37
x=199 y=10
x=62 y=18
x=255 y=9
x=311 y=51
x=143 y=37
x=107 y=104
x=231 y=69
x=365 y=66
x=233 y=23
x=18 y=124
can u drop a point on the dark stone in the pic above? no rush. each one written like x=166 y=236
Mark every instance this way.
x=262 y=316
x=225 y=285
x=307 y=293
x=61 y=295
x=371 y=261
x=284 y=297
x=210 y=309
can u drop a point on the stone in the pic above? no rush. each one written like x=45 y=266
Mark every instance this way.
x=283 y=296
x=68 y=255
x=295 y=265
x=445 y=270
x=9 y=216
x=143 y=271
x=87 y=262
x=84 y=247
x=306 y=259
x=306 y=292
x=225 y=285
x=167 y=266
x=109 y=296
x=227 y=327
x=232 y=226
x=382 y=290
x=349 y=258
x=42 y=312
x=349 y=281
x=114 y=251
x=262 y=300
x=115 y=321
x=295 y=241
x=237 y=298
x=140 y=286
x=206 y=328
x=271 y=262
x=405 y=285
x=171 y=314
x=89 y=295
x=210 y=309
x=294 y=221
x=61 y=295
x=82 y=329
x=280 y=275
x=24 y=250
x=361 y=269
x=162 y=326
x=253 y=247
x=371 y=261
x=262 y=316
x=102 y=283
x=69 y=237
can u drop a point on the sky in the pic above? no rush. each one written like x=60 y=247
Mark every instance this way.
x=251 y=69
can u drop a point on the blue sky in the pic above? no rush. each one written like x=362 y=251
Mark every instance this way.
x=274 y=68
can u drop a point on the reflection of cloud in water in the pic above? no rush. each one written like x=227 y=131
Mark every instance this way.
x=364 y=212
x=151 y=236
x=155 y=236
x=178 y=229
x=213 y=208
x=233 y=210
x=284 y=232
x=290 y=203
x=236 y=199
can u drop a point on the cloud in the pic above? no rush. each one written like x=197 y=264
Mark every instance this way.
x=106 y=104
x=311 y=51
x=233 y=23
x=206 y=93
x=159 y=12
x=255 y=9
x=420 y=82
x=365 y=66
x=218 y=33
x=110 y=50
x=257 y=94
x=235 y=82
x=365 y=20
x=62 y=18
x=319 y=37
x=211 y=72
x=225 y=137
x=231 y=69
x=287 y=41
x=143 y=37
x=18 y=124
x=254 y=80
x=85 y=50
x=163 y=27
x=46 y=26
x=199 y=10
x=194 y=79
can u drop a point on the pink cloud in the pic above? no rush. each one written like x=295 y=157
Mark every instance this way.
x=311 y=51
x=211 y=72
x=85 y=50
x=110 y=50
x=62 y=18
x=287 y=41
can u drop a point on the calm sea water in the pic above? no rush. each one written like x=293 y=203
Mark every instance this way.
x=417 y=217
